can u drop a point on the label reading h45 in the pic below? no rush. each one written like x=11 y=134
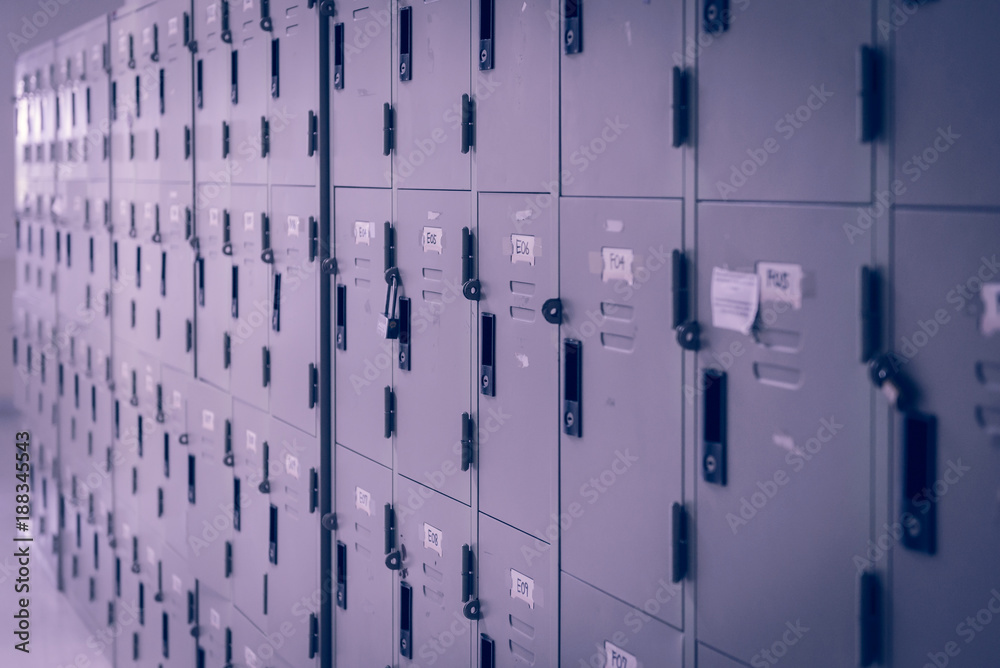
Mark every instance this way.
x=432 y=538
x=780 y=283
x=616 y=657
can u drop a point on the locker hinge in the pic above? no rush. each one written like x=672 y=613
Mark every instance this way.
x=468 y=123
x=388 y=129
x=393 y=558
x=871 y=312
x=467 y=441
x=189 y=334
x=272 y=546
x=265 y=16
x=886 y=374
x=265 y=136
x=687 y=329
x=716 y=15
x=326 y=7
x=680 y=543
x=159 y=502
x=552 y=311
x=870 y=619
x=111 y=613
x=313 y=385
x=228 y=458
x=227 y=34
x=681 y=107
x=341 y=575
x=390 y=412
x=470 y=285
x=329 y=521
x=266 y=365
x=313 y=239
x=313 y=490
x=229 y=558
x=106 y=58
x=329 y=266
x=313 y=133
x=265 y=485
x=869 y=82
x=187 y=142
x=160 y=417
x=313 y=635
x=226 y=350
x=471 y=609
x=266 y=253
x=225 y=139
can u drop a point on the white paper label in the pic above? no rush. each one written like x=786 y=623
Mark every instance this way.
x=175 y=213
x=430 y=239
x=216 y=619
x=178 y=585
x=247 y=4
x=124 y=369
x=147 y=35
x=126 y=531
x=432 y=538
x=617 y=264
x=363 y=500
x=210 y=13
x=172 y=26
x=177 y=399
x=522 y=249
x=734 y=299
x=292 y=465
x=147 y=210
x=293 y=226
x=149 y=384
x=248 y=220
x=213 y=217
x=123 y=208
x=616 y=657
x=780 y=283
x=364 y=232
x=522 y=588
x=251 y=441
x=151 y=556
x=991 y=308
x=207 y=420
x=122 y=43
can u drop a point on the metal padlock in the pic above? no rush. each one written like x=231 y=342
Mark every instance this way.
x=388 y=323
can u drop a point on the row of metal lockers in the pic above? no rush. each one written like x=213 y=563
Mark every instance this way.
x=582 y=333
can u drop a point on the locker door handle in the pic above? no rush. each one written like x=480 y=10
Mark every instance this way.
x=468 y=123
x=313 y=385
x=393 y=558
x=157 y=236
x=390 y=412
x=341 y=575
x=163 y=274
x=487 y=651
x=199 y=87
x=573 y=28
x=487 y=352
x=405 y=620
x=714 y=427
x=870 y=619
x=485 y=34
x=341 y=317
x=470 y=285
x=313 y=133
x=229 y=559
x=267 y=254
x=868 y=105
x=313 y=635
x=919 y=504
x=201 y=281
x=272 y=548
x=313 y=237
x=681 y=112
x=227 y=33
x=404 y=333
x=265 y=485
x=114 y=260
x=467 y=441
x=275 y=66
x=265 y=137
x=165 y=623
x=138 y=96
x=189 y=336
x=338 y=56
x=187 y=142
x=226 y=350
x=234 y=308
x=405 y=41
x=471 y=609
x=191 y=479
x=227 y=241
x=163 y=91
x=266 y=365
x=265 y=16
x=573 y=388
x=388 y=129
x=313 y=490
x=234 y=77
x=225 y=139
x=679 y=528
x=276 y=305
x=871 y=309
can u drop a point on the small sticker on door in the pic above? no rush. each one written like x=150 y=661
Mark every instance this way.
x=432 y=538
x=522 y=588
x=780 y=283
x=248 y=220
x=210 y=13
x=293 y=226
x=207 y=420
x=213 y=217
x=251 y=441
x=735 y=297
x=178 y=585
x=364 y=232
x=177 y=399
x=616 y=657
x=147 y=35
x=149 y=384
x=124 y=369
x=522 y=249
x=990 y=322
x=215 y=618
x=292 y=465
x=147 y=210
x=430 y=239
x=247 y=4
x=122 y=43
x=172 y=26
x=363 y=500
x=151 y=556
x=126 y=531
x=617 y=264
x=175 y=213
x=123 y=207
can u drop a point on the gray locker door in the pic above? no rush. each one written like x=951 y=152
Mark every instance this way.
x=365 y=360
x=293 y=582
x=518 y=429
x=709 y=658
x=517 y=100
x=294 y=324
x=294 y=100
x=356 y=120
x=628 y=459
x=517 y=587
x=101 y=463
x=798 y=141
x=432 y=530
x=215 y=622
x=96 y=126
x=432 y=396
x=253 y=85
x=253 y=297
x=365 y=617
x=173 y=456
x=213 y=90
x=428 y=113
x=253 y=649
x=136 y=645
x=122 y=94
x=174 y=70
x=145 y=77
x=178 y=583
x=175 y=282
x=213 y=289
x=125 y=460
x=123 y=290
x=149 y=476
x=946 y=153
x=599 y=630
x=796 y=409
x=947 y=280
x=250 y=539
x=210 y=519
x=613 y=144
